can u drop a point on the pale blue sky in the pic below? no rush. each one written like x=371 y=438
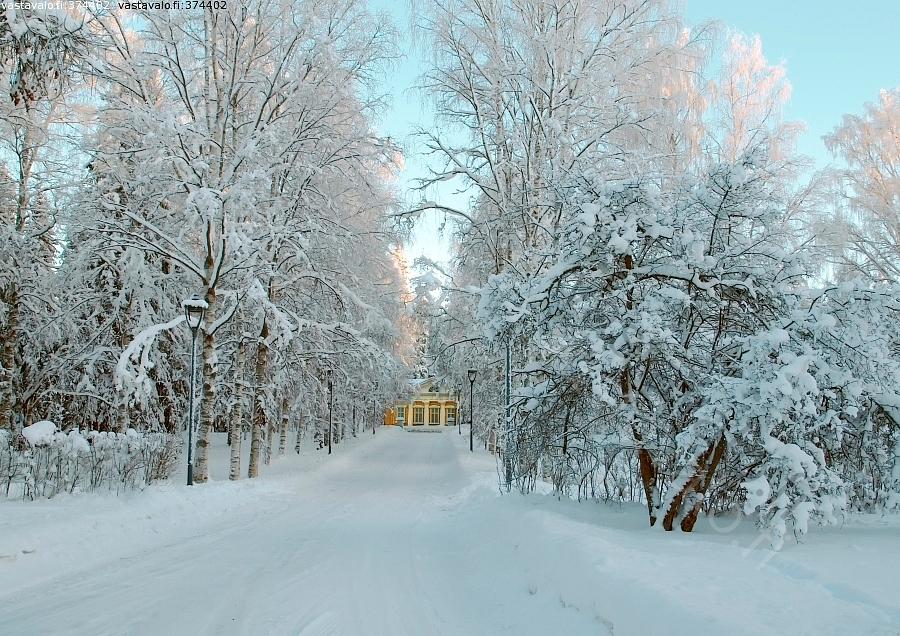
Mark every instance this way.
x=838 y=55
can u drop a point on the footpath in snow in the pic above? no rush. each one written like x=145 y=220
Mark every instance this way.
x=403 y=533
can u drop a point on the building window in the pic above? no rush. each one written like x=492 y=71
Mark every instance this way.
x=434 y=415
x=451 y=415
x=418 y=415
x=401 y=413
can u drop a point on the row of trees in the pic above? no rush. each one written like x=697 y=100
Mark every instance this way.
x=229 y=154
x=691 y=320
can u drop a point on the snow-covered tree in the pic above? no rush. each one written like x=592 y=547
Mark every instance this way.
x=42 y=64
x=529 y=94
x=867 y=190
x=236 y=149
x=633 y=241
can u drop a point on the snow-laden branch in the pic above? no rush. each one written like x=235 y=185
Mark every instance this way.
x=135 y=380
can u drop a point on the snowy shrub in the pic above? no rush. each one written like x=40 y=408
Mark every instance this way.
x=53 y=462
x=673 y=325
x=10 y=466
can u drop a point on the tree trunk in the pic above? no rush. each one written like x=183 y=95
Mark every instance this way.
x=237 y=415
x=270 y=423
x=8 y=357
x=299 y=432
x=338 y=428
x=698 y=484
x=647 y=465
x=270 y=440
x=162 y=390
x=648 y=479
x=645 y=459
x=259 y=411
x=122 y=415
x=120 y=423
x=284 y=425
x=208 y=401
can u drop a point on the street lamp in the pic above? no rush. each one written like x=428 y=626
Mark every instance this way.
x=330 y=404
x=375 y=407
x=472 y=373
x=193 y=315
x=458 y=414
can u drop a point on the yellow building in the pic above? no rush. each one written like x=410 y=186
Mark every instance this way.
x=427 y=404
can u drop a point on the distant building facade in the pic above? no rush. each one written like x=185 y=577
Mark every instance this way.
x=427 y=404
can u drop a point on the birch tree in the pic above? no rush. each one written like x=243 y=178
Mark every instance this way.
x=219 y=131
x=534 y=93
x=867 y=190
x=42 y=63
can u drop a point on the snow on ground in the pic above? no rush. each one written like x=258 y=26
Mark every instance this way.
x=408 y=534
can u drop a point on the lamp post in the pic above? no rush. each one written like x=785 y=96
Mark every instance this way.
x=375 y=407
x=458 y=414
x=330 y=404
x=472 y=373
x=193 y=315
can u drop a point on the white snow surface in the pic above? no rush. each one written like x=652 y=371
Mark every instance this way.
x=409 y=534
x=39 y=432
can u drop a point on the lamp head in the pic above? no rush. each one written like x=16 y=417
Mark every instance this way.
x=193 y=312
x=472 y=373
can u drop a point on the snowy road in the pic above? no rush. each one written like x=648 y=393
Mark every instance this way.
x=369 y=547
x=404 y=533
